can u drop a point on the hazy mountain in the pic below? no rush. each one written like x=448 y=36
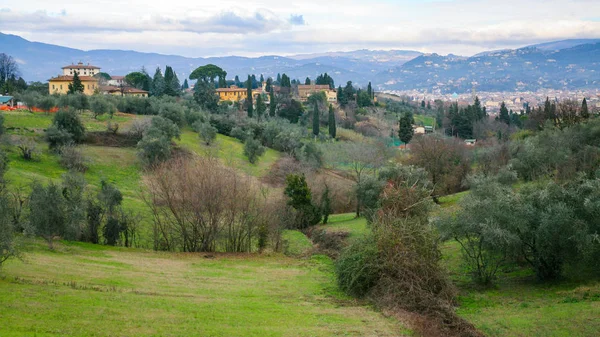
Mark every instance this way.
x=40 y=61
x=525 y=69
x=562 y=64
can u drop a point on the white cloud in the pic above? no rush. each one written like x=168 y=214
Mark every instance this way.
x=226 y=27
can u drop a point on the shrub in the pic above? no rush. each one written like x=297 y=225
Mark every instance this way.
x=139 y=126
x=8 y=247
x=207 y=132
x=69 y=121
x=154 y=148
x=112 y=128
x=71 y=158
x=2 y=124
x=253 y=150
x=165 y=127
x=173 y=112
x=358 y=266
x=57 y=137
x=239 y=133
x=192 y=116
x=47 y=216
x=300 y=199
x=27 y=146
x=100 y=105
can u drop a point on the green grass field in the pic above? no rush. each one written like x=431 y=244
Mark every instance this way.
x=88 y=290
x=231 y=153
x=425 y=120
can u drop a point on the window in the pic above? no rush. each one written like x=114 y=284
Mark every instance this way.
x=53 y=87
x=61 y=87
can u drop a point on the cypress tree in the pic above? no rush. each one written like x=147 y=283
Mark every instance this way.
x=585 y=113
x=279 y=79
x=307 y=81
x=75 y=86
x=249 y=98
x=405 y=130
x=185 y=85
x=504 y=116
x=260 y=107
x=158 y=83
x=272 y=103
x=315 y=120
x=370 y=91
x=331 y=122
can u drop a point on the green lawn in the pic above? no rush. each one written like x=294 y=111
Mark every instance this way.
x=296 y=243
x=348 y=222
x=89 y=290
x=425 y=120
x=23 y=120
x=519 y=305
x=230 y=151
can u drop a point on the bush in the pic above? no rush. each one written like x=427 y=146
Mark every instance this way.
x=57 y=137
x=100 y=105
x=164 y=126
x=8 y=247
x=358 y=267
x=239 y=133
x=139 y=126
x=192 y=116
x=69 y=121
x=207 y=132
x=154 y=148
x=47 y=216
x=173 y=112
x=27 y=146
x=2 y=130
x=253 y=150
x=71 y=158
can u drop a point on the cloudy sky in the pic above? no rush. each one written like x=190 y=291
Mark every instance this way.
x=251 y=28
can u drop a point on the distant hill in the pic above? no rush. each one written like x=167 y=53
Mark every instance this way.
x=40 y=61
x=568 y=64
x=525 y=69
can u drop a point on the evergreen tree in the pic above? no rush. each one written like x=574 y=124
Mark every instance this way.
x=315 y=120
x=349 y=92
x=260 y=107
x=504 y=116
x=278 y=79
x=269 y=86
x=405 y=131
x=262 y=80
x=237 y=81
x=341 y=98
x=158 y=83
x=254 y=82
x=285 y=81
x=272 y=103
x=428 y=105
x=75 y=86
x=370 y=91
x=331 y=122
x=585 y=113
x=307 y=81
x=249 y=98
x=172 y=85
x=423 y=104
x=185 y=85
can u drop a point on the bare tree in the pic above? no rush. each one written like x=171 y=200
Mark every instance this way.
x=198 y=205
x=360 y=157
x=445 y=159
x=8 y=68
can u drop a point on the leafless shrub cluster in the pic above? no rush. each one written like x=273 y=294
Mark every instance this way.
x=198 y=205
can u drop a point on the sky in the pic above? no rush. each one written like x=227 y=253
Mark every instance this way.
x=254 y=28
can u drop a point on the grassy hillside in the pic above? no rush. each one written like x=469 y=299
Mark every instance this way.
x=118 y=165
x=89 y=290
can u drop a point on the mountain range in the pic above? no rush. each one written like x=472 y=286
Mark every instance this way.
x=569 y=64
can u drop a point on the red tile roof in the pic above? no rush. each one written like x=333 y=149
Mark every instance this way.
x=129 y=90
x=115 y=77
x=80 y=66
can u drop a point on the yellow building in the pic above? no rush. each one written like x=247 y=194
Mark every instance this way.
x=305 y=90
x=60 y=84
x=236 y=94
x=81 y=69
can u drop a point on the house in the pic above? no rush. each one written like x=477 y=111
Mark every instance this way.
x=470 y=142
x=60 y=84
x=418 y=130
x=236 y=94
x=305 y=90
x=123 y=91
x=81 y=70
x=116 y=81
x=6 y=101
